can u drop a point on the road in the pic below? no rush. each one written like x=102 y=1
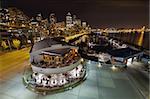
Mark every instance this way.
x=13 y=62
x=74 y=36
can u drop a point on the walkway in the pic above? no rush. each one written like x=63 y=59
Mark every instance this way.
x=101 y=83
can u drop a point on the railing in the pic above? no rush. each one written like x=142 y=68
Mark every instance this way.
x=44 y=90
x=46 y=65
x=48 y=71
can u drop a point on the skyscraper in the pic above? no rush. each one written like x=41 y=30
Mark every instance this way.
x=52 y=18
x=39 y=17
x=84 y=24
x=69 y=22
x=74 y=19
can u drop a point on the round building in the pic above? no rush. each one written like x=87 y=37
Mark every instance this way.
x=54 y=67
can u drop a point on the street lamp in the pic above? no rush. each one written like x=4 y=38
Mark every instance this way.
x=99 y=65
x=89 y=62
x=114 y=67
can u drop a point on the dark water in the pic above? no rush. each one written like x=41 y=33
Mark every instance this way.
x=132 y=38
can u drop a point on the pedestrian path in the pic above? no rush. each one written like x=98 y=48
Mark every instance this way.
x=101 y=83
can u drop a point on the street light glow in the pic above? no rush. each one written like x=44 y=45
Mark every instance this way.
x=99 y=65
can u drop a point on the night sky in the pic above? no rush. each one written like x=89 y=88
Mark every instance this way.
x=98 y=13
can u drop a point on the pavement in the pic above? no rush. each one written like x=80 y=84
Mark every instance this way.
x=137 y=74
x=101 y=82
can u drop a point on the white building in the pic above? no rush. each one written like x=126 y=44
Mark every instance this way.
x=84 y=24
x=74 y=19
x=78 y=22
x=69 y=22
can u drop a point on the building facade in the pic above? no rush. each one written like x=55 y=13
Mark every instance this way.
x=54 y=67
x=69 y=21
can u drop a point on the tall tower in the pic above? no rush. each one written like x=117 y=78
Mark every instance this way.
x=84 y=24
x=69 y=20
x=52 y=18
x=39 y=17
x=74 y=19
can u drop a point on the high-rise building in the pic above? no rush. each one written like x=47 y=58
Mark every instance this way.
x=39 y=17
x=74 y=19
x=52 y=18
x=84 y=24
x=45 y=23
x=69 y=22
x=78 y=22
x=60 y=24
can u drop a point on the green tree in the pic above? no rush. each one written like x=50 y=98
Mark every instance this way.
x=4 y=45
x=16 y=43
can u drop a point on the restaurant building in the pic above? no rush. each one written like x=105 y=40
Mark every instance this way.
x=54 y=67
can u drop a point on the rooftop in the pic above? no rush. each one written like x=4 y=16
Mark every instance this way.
x=47 y=42
x=60 y=52
x=123 y=52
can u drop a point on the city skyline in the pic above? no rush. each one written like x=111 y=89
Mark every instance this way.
x=83 y=49
x=98 y=14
